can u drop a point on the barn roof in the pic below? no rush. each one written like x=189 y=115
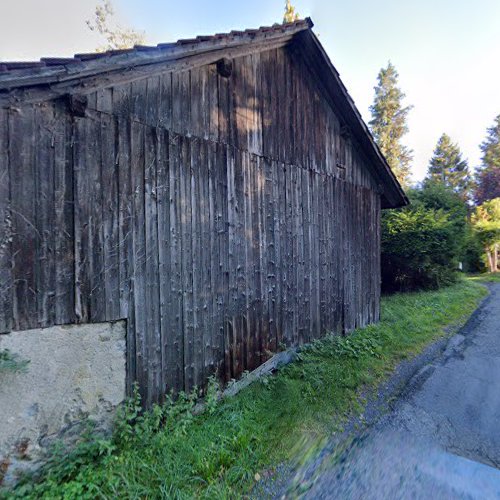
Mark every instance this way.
x=52 y=76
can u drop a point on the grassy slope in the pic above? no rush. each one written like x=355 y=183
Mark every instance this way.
x=486 y=278
x=218 y=454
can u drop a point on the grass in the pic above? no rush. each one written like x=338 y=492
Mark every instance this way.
x=485 y=278
x=171 y=454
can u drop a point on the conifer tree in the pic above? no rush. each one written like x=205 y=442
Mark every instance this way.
x=488 y=175
x=290 y=14
x=449 y=168
x=388 y=123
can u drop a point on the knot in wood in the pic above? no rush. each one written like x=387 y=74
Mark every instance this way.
x=77 y=104
x=225 y=67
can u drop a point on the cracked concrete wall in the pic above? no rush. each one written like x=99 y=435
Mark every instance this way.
x=75 y=372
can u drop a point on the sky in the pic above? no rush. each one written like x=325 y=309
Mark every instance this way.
x=447 y=52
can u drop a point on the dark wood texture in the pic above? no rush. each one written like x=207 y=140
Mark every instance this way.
x=225 y=215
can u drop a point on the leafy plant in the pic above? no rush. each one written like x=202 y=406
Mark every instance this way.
x=423 y=243
x=10 y=362
x=486 y=224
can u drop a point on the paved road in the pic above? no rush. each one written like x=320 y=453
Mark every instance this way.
x=442 y=440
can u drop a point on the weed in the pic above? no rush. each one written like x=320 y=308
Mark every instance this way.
x=10 y=362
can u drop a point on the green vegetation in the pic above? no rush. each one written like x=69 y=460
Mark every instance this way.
x=116 y=37
x=423 y=243
x=389 y=123
x=486 y=223
x=486 y=278
x=290 y=14
x=488 y=175
x=169 y=453
x=449 y=168
x=10 y=362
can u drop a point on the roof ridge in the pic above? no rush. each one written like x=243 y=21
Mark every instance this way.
x=200 y=39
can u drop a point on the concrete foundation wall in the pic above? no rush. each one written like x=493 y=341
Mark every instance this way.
x=75 y=372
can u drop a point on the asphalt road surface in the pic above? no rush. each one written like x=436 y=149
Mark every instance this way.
x=442 y=439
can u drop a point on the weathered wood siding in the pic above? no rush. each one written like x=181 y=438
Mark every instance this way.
x=224 y=218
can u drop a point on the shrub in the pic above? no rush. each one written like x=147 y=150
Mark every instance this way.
x=423 y=243
x=418 y=249
x=486 y=224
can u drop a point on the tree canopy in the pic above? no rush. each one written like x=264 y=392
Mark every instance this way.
x=290 y=15
x=488 y=175
x=116 y=36
x=449 y=168
x=389 y=123
x=486 y=223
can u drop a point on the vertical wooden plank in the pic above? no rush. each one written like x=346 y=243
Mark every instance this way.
x=104 y=100
x=126 y=240
x=323 y=248
x=138 y=100
x=307 y=254
x=196 y=104
x=204 y=104
x=153 y=96
x=258 y=347
x=23 y=207
x=205 y=318
x=187 y=262
x=215 y=357
x=290 y=253
x=174 y=348
x=185 y=124
x=282 y=117
x=64 y=218
x=152 y=292
x=240 y=262
x=279 y=226
x=240 y=103
x=165 y=277
x=254 y=80
x=315 y=272
x=266 y=103
x=270 y=252
x=222 y=245
x=5 y=228
x=139 y=255
x=232 y=264
x=224 y=116
x=299 y=281
x=110 y=215
x=44 y=215
x=82 y=216
x=125 y=250
x=213 y=102
x=122 y=100
x=249 y=339
x=197 y=271
x=93 y=160
x=165 y=104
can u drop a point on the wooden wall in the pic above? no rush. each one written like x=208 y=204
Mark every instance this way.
x=224 y=218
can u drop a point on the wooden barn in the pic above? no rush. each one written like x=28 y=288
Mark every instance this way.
x=221 y=194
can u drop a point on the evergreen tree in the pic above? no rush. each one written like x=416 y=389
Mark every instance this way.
x=449 y=168
x=388 y=123
x=290 y=14
x=488 y=176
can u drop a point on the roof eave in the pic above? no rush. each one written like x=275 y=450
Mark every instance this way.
x=393 y=195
